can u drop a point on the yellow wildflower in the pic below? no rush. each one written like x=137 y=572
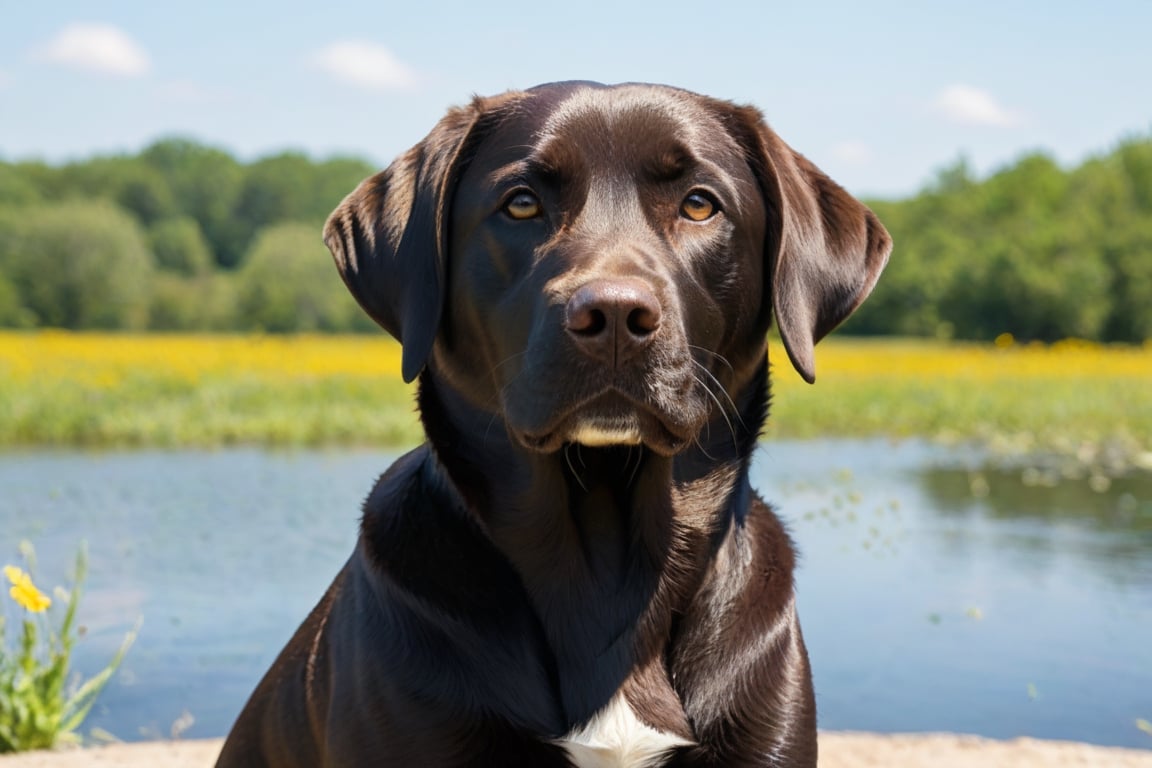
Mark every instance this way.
x=24 y=592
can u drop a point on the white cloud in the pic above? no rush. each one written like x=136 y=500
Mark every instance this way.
x=853 y=153
x=366 y=65
x=100 y=48
x=973 y=106
x=5 y=80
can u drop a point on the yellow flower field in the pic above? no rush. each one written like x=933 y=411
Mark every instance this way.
x=108 y=360
x=1076 y=398
x=60 y=388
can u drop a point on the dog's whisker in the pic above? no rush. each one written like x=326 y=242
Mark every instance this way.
x=636 y=467
x=722 y=410
x=724 y=361
x=732 y=403
x=719 y=386
x=719 y=407
x=568 y=458
x=703 y=450
x=488 y=429
x=713 y=355
x=497 y=366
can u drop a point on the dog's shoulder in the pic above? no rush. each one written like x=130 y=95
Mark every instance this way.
x=399 y=486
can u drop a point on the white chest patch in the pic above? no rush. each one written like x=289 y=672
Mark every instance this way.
x=615 y=738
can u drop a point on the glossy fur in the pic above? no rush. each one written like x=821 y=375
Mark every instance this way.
x=578 y=531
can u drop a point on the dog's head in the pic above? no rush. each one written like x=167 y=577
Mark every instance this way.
x=600 y=265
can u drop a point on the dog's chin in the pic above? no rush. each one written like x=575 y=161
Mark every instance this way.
x=632 y=428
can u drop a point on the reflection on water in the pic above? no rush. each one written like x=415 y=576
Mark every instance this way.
x=1104 y=522
x=936 y=593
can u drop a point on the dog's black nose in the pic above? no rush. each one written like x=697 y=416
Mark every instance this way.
x=612 y=319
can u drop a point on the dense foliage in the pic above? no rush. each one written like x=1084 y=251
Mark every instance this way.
x=1034 y=250
x=179 y=237
x=185 y=237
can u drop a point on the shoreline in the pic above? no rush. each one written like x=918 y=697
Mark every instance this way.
x=838 y=749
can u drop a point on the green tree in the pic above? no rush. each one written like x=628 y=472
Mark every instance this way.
x=333 y=179
x=78 y=265
x=16 y=188
x=1128 y=253
x=12 y=311
x=205 y=183
x=33 y=181
x=1026 y=194
x=1135 y=157
x=1042 y=287
x=1033 y=250
x=204 y=302
x=132 y=184
x=290 y=187
x=275 y=189
x=178 y=245
x=288 y=283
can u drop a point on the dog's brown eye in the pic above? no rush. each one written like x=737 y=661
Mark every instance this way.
x=697 y=207
x=523 y=205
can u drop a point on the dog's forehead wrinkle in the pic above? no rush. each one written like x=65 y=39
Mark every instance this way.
x=629 y=123
x=613 y=204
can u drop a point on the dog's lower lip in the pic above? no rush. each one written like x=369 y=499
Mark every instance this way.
x=545 y=443
x=654 y=434
x=611 y=417
x=670 y=444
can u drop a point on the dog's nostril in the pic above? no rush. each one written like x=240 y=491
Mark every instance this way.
x=643 y=321
x=587 y=321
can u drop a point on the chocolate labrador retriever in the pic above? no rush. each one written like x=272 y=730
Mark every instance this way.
x=574 y=570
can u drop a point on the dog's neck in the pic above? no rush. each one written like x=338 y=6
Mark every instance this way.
x=608 y=542
x=480 y=456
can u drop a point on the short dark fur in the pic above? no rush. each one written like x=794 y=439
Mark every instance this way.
x=509 y=581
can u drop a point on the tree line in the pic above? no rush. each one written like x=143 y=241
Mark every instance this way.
x=1034 y=250
x=183 y=236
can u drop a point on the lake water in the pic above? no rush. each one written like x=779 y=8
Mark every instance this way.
x=936 y=593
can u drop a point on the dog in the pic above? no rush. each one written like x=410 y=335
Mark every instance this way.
x=573 y=569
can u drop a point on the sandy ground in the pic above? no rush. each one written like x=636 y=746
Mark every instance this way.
x=837 y=750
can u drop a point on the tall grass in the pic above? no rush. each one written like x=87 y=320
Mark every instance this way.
x=1071 y=396
x=201 y=390
x=204 y=390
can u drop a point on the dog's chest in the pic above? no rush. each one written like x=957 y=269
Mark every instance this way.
x=616 y=738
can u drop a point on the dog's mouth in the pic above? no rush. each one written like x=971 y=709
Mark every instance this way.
x=607 y=420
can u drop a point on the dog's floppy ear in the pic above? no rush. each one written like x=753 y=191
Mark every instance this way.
x=825 y=248
x=388 y=237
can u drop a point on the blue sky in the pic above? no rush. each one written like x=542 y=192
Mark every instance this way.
x=879 y=94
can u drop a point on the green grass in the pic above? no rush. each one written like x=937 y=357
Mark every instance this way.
x=150 y=412
x=95 y=390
